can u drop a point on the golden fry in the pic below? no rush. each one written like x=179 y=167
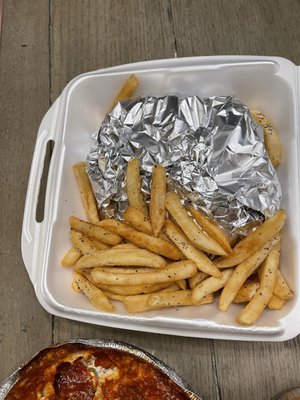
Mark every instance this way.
x=82 y=243
x=272 y=139
x=138 y=220
x=174 y=299
x=246 y=292
x=133 y=290
x=92 y=292
x=192 y=253
x=126 y=91
x=282 y=289
x=71 y=257
x=276 y=303
x=210 y=285
x=172 y=272
x=211 y=228
x=86 y=192
x=254 y=241
x=156 y=245
x=94 y=231
x=253 y=310
x=133 y=186
x=157 y=208
x=242 y=273
x=120 y=257
x=196 y=236
x=194 y=280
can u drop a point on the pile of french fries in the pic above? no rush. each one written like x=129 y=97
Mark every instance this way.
x=161 y=256
x=171 y=255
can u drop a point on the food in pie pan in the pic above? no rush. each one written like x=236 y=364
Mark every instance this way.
x=88 y=370
x=170 y=252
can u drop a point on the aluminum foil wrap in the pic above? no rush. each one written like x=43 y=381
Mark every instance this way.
x=212 y=149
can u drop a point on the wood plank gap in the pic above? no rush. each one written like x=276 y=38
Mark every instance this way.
x=170 y=15
x=50 y=51
x=215 y=371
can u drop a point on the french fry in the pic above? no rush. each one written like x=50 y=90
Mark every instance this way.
x=82 y=243
x=126 y=91
x=210 y=285
x=174 y=299
x=125 y=246
x=272 y=139
x=192 y=253
x=172 y=272
x=120 y=257
x=138 y=220
x=282 y=289
x=253 y=310
x=138 y=304
x=99 y=245
x=92 y=292
x=71 y=257
x=133 y=290
x=86 y=192
x=211 y=228
x=157 y=207
x=133 y=186
x=94 y=231
x=114 y=296
x=197 y=278
x=112 y=270
x=254 y=241
x=246 y=292
x=182 y=284
x=196 y=236
x=156 y=245
x=275 y=303
x=242 y=273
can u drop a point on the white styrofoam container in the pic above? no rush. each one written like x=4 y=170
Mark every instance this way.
x=269 y=84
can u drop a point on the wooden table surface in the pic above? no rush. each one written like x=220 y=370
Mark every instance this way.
x=44 y=44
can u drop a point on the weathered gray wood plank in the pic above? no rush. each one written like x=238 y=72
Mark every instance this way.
x=214 y=27
x=24 y=326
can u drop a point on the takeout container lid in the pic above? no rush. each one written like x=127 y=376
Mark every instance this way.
x=143 y=355
x=270 y=84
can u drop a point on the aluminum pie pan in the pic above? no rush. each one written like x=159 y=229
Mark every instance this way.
x=143 y=355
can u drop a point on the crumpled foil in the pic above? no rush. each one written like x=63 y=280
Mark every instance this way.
x=212 y=149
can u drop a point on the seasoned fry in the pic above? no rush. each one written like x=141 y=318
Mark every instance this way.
x=115 y=269
x=194 y=280
x=138 y=220
x=99 y=245
x=254 y=241
x=92 y=292
x=133 y=186
x=282 y=289
x=120 y=257
x=86 y=192
x=157 y=208
x=182 y=284
x=156 y=245
x=242 y=273
x=94 y=231
x=172 y=272
x=114 y=296
x=84 y=244
x=192 y=253
x=272 y=139
x=276 y=303
x=210 y=285
x=71 y=257
x=137 y=304
x=246 y=292
x=174 y=299
x=125 y=246
x=253 y=310
x=134 y=290
x=197 y=237
x=211 y=228
x=126 y=91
